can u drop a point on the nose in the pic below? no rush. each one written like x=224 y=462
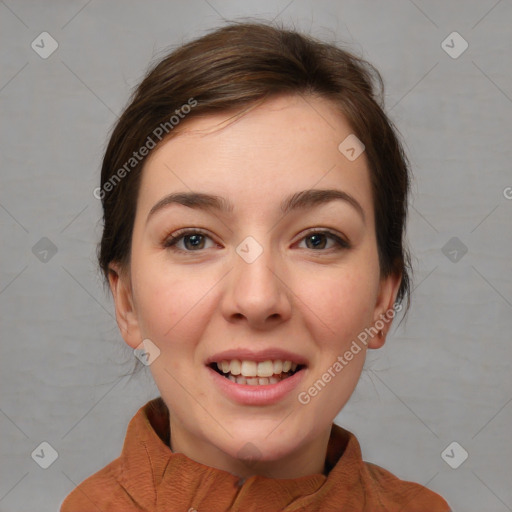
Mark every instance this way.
x=257 y=293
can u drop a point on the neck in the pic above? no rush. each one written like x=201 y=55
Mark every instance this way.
x=306 y=459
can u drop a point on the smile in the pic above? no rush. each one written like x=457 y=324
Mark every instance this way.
x=254 y=373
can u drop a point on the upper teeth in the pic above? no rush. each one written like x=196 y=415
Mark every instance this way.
x=254 y=369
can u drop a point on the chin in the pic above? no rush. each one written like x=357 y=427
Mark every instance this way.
x=262 y=448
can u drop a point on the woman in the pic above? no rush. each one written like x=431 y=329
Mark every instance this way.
x=255 y=199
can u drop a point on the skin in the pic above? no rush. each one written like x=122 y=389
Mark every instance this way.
x=311 y=299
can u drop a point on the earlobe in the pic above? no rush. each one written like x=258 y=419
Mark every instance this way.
x=120 y=286
x=384 y=309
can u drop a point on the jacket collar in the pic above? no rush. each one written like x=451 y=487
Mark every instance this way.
x=153 y=474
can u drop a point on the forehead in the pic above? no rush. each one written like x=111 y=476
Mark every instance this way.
x=282 y=146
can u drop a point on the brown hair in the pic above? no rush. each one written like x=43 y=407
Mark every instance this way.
x=233 y=68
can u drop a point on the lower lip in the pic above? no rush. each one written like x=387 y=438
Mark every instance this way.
x=265 y=394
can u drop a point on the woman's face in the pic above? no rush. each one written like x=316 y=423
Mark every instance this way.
x=237 y=256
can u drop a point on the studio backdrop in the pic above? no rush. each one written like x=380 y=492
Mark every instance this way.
x=434 y=405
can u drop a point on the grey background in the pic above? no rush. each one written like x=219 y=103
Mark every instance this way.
x=443 y=376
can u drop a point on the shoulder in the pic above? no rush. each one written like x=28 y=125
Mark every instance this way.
x=103 y=490
x=127 y=484
x=390 y=492
x=365 y=486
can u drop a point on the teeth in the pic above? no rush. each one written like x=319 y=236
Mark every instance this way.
x=264 y=369
x=255 y=381
x=235 y=367
x=249 y=368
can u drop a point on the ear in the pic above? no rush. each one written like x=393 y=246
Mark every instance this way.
x=120 y=286
x=384 y=310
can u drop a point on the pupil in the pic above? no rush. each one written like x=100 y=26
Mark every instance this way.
x=318 y=240
x=196 y=241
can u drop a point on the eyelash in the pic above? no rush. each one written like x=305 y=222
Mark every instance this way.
x=172 y=241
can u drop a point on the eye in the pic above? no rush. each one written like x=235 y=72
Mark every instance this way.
x=318 y=240
x=188 y=241
x=193 y=240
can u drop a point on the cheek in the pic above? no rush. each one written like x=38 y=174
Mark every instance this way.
x=170 y=305
x=338 y=304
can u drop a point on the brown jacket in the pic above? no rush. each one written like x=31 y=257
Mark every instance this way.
x=149 y=477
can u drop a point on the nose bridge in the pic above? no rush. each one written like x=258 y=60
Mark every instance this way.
x=256 y=291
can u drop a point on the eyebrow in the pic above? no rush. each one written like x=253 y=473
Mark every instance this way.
x=303 y=200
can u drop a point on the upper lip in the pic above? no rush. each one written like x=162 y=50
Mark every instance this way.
x=269 y=354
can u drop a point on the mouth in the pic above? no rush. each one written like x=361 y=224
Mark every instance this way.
x=253 y=373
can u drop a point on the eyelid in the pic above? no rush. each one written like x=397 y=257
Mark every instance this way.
x=185 y=231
